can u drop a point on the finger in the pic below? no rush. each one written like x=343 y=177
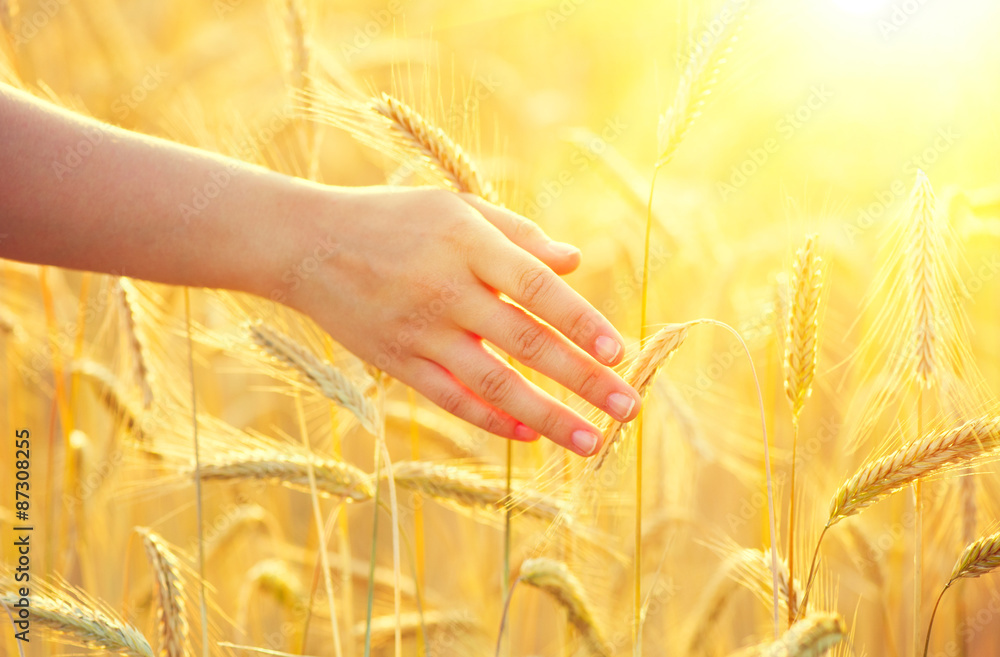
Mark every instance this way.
x=534 y=286
x=543 y=349
x=438 y=385
x=503 y=388
x=562 y=258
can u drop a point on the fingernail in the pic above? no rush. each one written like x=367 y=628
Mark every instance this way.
x=524 y=433
x=584 y=442
x=620 y=405
x=607 y=348
x=563 y=250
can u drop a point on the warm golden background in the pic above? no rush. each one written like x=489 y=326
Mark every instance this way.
x=820 y=118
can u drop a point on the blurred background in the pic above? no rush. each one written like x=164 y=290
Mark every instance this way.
x=821 y=115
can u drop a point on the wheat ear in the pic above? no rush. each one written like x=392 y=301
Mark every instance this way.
x=697 y=82
x=981 y=557
x=472 y=490
x=434 y=144
x=171 y=607
x=812 y=636
x=913 y=462
x=922 y=255
x=322 y=375
x=801 y=329
x=640 y=374
x=555 y=578
x=73 y=617
x=126 y=293
x=289 y=468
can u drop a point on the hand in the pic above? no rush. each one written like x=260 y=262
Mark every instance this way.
x=412 y=282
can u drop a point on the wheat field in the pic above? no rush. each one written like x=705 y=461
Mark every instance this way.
x=790 y=210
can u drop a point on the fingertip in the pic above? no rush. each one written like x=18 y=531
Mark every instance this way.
x=585 y=442
x=563 y=258
x=525 y=434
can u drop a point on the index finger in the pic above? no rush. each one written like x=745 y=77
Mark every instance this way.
x=528 y=281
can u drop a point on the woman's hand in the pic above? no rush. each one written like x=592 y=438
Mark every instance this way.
x=411 y=281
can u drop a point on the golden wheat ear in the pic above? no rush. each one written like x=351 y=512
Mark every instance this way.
x=556 y=579
x=928 y=456
x=69 y=615
x=171 y=606
x=318 y=373
x=802 y=326
x=812 y=636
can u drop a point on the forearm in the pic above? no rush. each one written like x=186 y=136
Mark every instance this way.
x=84 y=195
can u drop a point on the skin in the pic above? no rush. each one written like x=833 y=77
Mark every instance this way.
x=409 y=280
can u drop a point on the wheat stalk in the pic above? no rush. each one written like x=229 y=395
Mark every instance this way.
x=76 y=618
x=471 y=490
x=555 y=578
x=918 y=460
x=171 y=608
x=457 y=168
x=812 y=636
x=289 y=468
x=640 y=373
x=801 y=328
x=322 y=375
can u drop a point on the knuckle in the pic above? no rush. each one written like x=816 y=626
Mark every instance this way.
x=589 y=383
x=533 y=284
x=496 y=385
x=526 y=229
x=494 y=422
x=453 y=402
x=582 y=327
x=529 y=342
x=550 y=421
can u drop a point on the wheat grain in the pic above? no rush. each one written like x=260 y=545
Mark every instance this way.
x=171 y=606
x=555 y=578
x=918 y=460
x=323 y=376
x=801 y=329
